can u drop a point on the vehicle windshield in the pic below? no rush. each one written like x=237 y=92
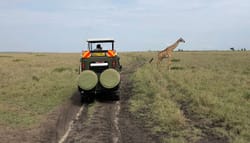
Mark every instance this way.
x=100 y=46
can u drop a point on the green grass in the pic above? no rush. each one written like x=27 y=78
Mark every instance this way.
x=32 y=86
x=204 y=91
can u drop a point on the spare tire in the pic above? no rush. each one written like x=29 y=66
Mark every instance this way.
x=110 y=78
x=87 y=80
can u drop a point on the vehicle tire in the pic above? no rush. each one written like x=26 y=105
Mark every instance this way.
x=87 y=99
x=116 y=96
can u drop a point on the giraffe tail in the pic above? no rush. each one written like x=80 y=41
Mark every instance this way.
x=150 y=61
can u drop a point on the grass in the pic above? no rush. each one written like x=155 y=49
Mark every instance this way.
x=17 y=60
x=203 y=92
x=62 y=69
x=32 y=85
x=5 y=56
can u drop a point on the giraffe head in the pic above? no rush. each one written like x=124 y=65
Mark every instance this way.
x=181 y=40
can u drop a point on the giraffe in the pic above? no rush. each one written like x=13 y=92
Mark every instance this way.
x=167 y=52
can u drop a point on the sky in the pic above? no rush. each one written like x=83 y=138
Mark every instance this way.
x=136 y=25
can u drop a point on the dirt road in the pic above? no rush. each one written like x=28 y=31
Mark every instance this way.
x=102 y=121
x=107 y=121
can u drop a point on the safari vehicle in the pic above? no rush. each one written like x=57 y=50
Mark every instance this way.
x=99 y=70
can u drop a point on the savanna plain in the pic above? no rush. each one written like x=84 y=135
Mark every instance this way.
x=205 y=97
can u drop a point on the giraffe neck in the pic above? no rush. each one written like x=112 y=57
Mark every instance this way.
x=172 y=47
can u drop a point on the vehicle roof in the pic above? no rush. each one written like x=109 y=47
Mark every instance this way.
x=99 y=40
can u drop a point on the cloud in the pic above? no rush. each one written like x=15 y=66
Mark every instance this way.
x=136 y=24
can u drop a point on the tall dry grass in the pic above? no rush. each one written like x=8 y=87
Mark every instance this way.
x=33 y=84
x=204 y=92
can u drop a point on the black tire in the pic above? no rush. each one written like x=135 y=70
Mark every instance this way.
x=83 y=99
x=116 y=96
x=86 y=99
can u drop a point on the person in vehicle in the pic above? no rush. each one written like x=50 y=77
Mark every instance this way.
x=98 y=47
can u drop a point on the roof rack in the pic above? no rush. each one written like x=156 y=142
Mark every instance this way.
x=100 y=40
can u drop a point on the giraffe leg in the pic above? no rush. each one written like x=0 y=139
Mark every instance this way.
x=158 y=62
x=169 y=63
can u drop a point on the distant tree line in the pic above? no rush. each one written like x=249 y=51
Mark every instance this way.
x=242 y=49
x=232 y=49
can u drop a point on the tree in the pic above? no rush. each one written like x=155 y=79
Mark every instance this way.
x=232 y=49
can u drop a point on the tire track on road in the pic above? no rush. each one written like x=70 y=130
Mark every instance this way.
x=65 y=136
x=99 y=125
x=109 y=121
x=116 y=132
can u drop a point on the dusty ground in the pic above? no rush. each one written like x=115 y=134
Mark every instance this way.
x=109 y=122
